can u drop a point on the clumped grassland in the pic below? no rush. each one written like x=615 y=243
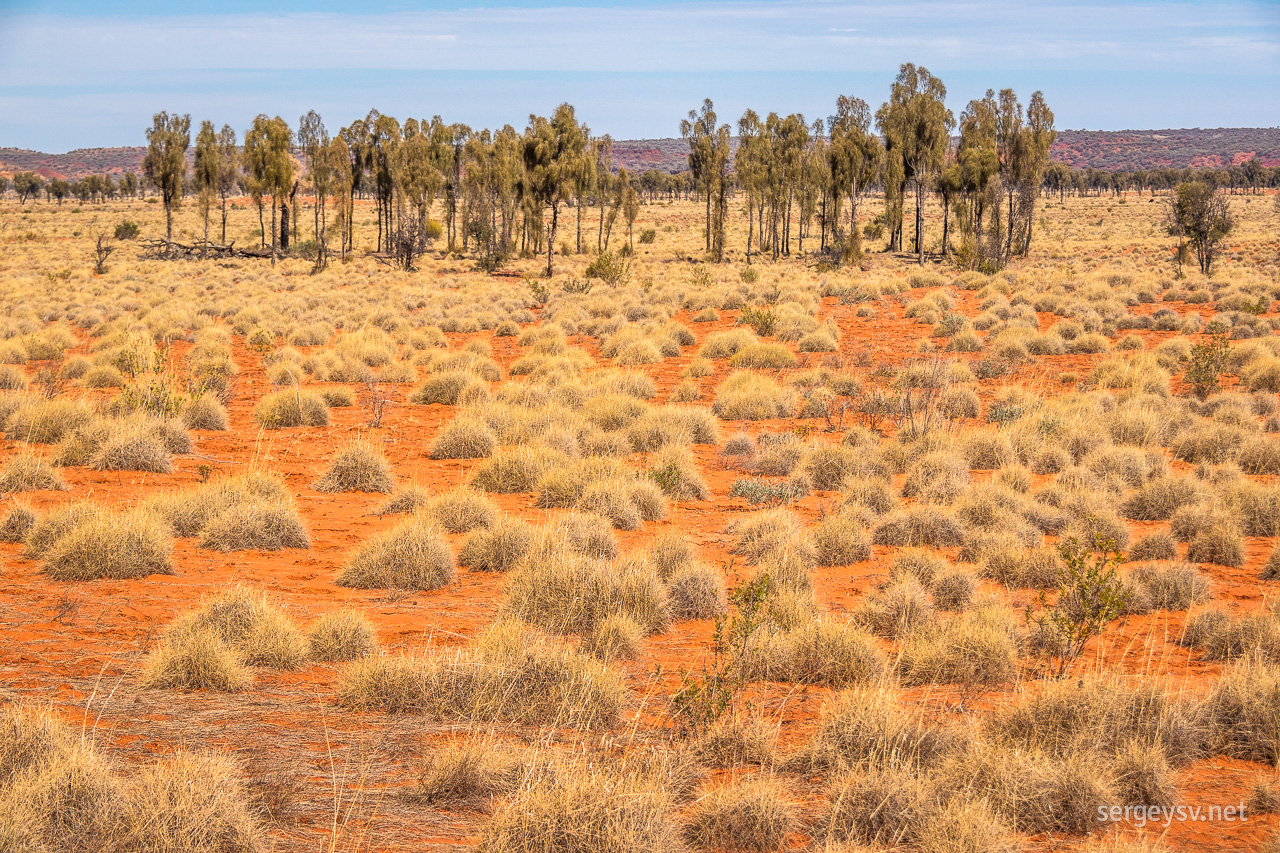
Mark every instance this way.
x=854 y=478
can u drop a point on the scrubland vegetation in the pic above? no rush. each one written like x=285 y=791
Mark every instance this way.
x=713 y=556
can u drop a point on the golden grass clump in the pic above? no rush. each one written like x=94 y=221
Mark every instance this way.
x=342 y=635
x=498 y=548
x=465 y=437
x=47 y=421
x=565 y=592
x=248 y=623
x=261 y=525
x=616 y=637
x=515 y=469
x=818 y=651
x=196 y=660
x=467 y=776
x=748 y=396
x=97 y=544
x=977 y=649
x=462 y=510
x=412 y=555
x=27 y=473
x=581 y=807
x=513 y=675
x=18 y=523
x=752 y=815
x=357 y=467
x=291 y=408
x=696 y=592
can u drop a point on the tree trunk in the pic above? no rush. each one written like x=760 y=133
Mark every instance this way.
x=273 y=231
x=551 y=236
x=284 y=227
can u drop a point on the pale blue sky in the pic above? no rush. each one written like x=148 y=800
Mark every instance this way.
x=82 y=74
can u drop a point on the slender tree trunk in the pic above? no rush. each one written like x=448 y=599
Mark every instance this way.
x=224 y=220
x=750 y=229
x=920 y=221
x=579 y=225
x=551 y=236
x=273 y=231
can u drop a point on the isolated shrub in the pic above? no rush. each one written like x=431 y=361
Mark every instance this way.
x=752 y=815
x=338 y=397
x=404 y=500
x=469 y=776
x=291 y=408
x=1143 y=775
x=499 y=548
x=342 y=635
x=412 y=555
x=109 y=545
x=261 y=525
x=953 y=590
x=696 y=592
x=357 y=467
x=27 y=473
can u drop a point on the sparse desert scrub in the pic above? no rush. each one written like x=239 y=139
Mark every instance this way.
x=762 y=532
x=937 y=477
x=405 y=500
x=841 y=539
x=512 y=675
x=412 y=555
x=357 y=467
x=898 y=609
x=670 y=552
x=674 y=470
x=516 y=469
x=342 y=635
x=1241 y=711
x=467 y=776
x=291 y=408
x=18 y=523
x=616 y=637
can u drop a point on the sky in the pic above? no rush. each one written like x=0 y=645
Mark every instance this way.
x=80 y=74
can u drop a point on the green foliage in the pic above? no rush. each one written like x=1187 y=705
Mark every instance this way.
x=612 y=269
x=762 y=320
x=127 y=230
x=647 y=236
x=539 y=291
x=1090 y=597
x=706 y=696
x=757 y=490
x=1208 y=360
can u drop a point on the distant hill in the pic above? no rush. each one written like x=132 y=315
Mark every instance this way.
x=1098 y=149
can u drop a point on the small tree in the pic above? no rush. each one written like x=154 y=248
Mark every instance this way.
x=165 y=165
x=27 y=184
x=1207 y=361
x=1199 y=213
x=101 y=252
x=1090 y=597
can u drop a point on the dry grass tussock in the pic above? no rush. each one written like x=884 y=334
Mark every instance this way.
x=565 y=592
x=58 y=793
x=357 y=467
x=412 y=555
x=211 y=646
x=84 y=542
x=513 y=674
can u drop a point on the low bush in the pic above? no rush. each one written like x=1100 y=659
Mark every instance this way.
x=566 y=593
x=291 y=408
x=696 y=592
x=498 y=548
x=27 y=473
x=753 y=815
x=103 y=544
x=465 y=437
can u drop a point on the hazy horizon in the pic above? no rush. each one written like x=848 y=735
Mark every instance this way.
x=74 y=77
